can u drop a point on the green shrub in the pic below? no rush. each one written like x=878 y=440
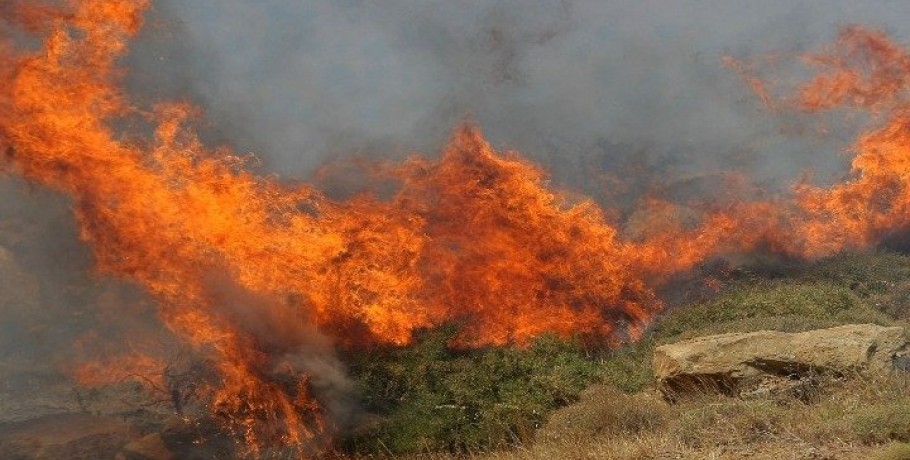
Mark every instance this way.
x=629 y=368
x=866 y=274
x=431 y=398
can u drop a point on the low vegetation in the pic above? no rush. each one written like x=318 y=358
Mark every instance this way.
x=563 y=399
x=431 y=398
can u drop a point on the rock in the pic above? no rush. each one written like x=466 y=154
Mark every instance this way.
x=746 y=363
x=902 y=363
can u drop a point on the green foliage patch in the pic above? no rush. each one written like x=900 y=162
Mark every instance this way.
x=429 y=397
x=785 y=305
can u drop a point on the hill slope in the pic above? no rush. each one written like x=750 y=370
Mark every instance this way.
x=566 y=400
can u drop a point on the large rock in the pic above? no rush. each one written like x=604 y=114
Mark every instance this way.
x=737 y=363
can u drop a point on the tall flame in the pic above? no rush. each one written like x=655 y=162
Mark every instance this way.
x=865 y=70
x=248 y=269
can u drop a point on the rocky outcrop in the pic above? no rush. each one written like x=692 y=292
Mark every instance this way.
x=743 y=363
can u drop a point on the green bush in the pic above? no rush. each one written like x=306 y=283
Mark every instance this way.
x=866 y=274
x=881 y=277
x=629 y=368
x=431 y=398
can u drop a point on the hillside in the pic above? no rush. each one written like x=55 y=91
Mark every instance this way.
x=573 y=400
x=555 y=398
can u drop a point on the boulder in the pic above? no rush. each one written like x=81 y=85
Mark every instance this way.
x=746 y=363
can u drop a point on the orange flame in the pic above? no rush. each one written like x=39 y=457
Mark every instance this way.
x=247 y=269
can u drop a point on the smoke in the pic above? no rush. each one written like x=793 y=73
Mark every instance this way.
x=589 y=88
x=291 y=341
x=55 y=313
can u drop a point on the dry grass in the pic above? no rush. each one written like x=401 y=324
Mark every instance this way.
x=855 y=418
x=606 y=411
x=663 y=447
x=894 y=451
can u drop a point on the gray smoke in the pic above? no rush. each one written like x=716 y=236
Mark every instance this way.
x=55 y=312
x=583 y=86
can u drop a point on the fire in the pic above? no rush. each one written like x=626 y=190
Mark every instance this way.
x=251 y=271
x=865 y=70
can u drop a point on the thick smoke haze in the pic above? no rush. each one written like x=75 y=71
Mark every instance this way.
x=575 y=84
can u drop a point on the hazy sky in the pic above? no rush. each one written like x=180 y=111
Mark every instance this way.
x=574 y=84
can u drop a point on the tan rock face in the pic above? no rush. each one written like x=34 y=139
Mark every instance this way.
x=733 y=362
